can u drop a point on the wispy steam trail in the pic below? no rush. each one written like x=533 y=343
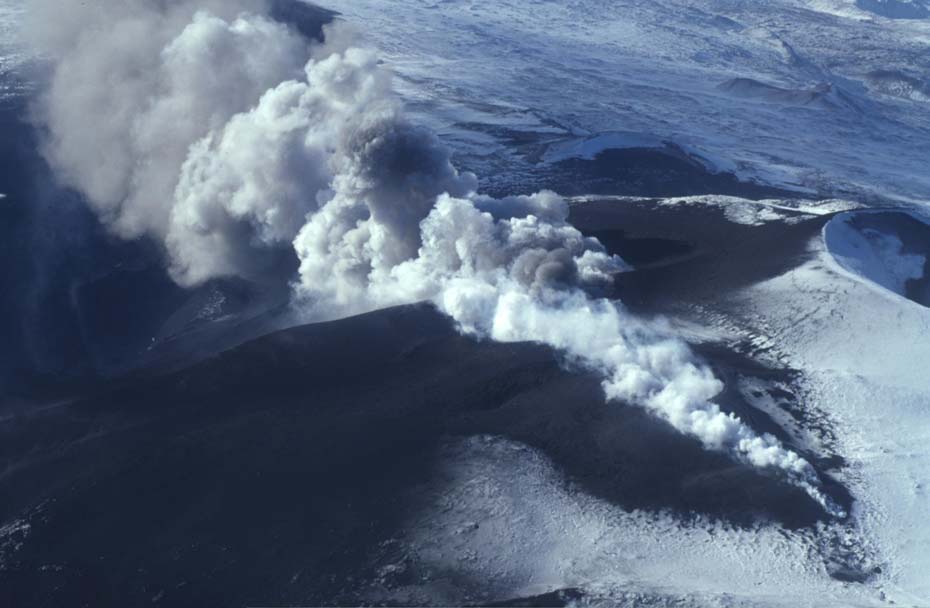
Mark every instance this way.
x=226 y=135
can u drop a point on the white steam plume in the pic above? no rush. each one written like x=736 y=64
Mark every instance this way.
x=224 y=135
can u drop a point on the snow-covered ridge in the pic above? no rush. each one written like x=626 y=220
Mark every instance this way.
x=884 y=248
x=744 y=211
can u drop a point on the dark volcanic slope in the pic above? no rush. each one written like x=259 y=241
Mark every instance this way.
x=691 y=254
x=665 y=171
x=649 y=172
x=269 y=473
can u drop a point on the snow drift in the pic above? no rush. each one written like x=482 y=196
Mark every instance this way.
x=226 y=136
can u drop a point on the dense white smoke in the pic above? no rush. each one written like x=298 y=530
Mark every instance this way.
x=224 y=134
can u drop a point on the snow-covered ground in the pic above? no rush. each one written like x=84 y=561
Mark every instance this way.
x=524 y=531
x=864 y=354
x=819 y=95
x=830 y=97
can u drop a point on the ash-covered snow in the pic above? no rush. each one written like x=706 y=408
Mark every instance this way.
x=742 y=211
x=861 y=389
x=838 y=117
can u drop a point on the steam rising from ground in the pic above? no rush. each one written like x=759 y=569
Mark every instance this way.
x=225 y=136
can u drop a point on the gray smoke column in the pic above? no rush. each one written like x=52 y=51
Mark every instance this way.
x=134 y=85
x=224 y=134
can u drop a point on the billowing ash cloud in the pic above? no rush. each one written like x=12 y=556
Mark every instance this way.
x=226 y=135
x=136 y=84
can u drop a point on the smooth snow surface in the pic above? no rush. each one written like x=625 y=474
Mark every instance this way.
x=817 y=95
